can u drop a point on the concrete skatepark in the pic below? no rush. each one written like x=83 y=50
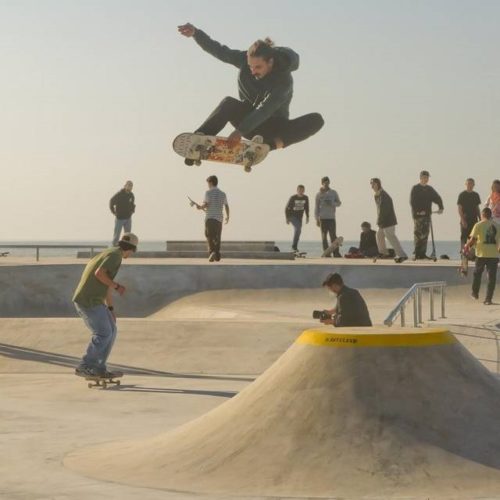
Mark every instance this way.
x=221 y=397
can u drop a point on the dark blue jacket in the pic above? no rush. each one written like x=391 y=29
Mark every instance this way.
x=269 y=96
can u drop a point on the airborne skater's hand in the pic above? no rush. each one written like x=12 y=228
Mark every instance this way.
x=187 y=30
x=234 y=139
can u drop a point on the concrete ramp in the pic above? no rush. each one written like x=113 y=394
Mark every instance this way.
x=343 y=413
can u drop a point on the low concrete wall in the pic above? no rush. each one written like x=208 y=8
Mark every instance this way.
x=46 y=290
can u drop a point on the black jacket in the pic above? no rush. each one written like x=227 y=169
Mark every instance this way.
x=422 y=198
x=122 y=204
x=386 y=217
x=351 y=309
x=296 y=207
x=269 y=96
x=368 y=241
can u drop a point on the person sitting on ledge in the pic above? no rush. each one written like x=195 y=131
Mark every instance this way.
x=367 y=244
x=351 y=309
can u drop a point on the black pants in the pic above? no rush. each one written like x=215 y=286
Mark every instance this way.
x=491 y=265
x=289 y=131
x=328 y=228
x=465 y=232
x=421 y=230
x=213 y=232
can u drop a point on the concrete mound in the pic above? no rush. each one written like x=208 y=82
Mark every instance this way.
x=347 y=413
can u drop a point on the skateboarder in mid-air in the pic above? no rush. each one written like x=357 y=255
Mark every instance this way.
x=265 y=86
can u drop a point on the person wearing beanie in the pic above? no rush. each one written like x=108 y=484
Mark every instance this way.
x=93 y=299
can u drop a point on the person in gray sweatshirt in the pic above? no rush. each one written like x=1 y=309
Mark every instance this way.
x=327 y=201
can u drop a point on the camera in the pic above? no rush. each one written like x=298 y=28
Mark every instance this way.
x=321 y=315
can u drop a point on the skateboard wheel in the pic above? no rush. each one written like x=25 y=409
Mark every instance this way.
x=89 y=385
x=118 y=382
x=248 y=169
x=104 y=384
x=197 y=163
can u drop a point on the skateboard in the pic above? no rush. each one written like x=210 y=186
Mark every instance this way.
x=193 y=203
x=336 y=243
x=214 y=148
x=465 y=256
x=300 y=255
x=4 y=254
x=103 y=381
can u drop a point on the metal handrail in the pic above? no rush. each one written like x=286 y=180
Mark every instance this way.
x=415 y=293
x=37 y=247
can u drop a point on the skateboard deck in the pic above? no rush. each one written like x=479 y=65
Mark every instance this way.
x=336 y=243
x=465 y=256
x=214 y=148
x=4 y=254
x=103 y=381
x=300 y=255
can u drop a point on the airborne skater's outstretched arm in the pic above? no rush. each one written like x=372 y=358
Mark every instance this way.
x=225 y=54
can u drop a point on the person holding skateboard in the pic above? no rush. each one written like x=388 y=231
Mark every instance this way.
x=297 y=205
x=485 y=236
x=93 y=299
x=214 y=203
x=265 y=87
x=422 y=197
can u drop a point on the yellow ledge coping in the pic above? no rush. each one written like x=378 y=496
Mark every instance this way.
x=377 y=337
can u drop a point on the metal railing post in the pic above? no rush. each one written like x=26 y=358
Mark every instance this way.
x=37 y=254
x=419 y=296
x=415 y=310
x=431 y=302
x=402 y=314
x=443 y=292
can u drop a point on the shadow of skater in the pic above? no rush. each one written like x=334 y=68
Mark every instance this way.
x=52 y=358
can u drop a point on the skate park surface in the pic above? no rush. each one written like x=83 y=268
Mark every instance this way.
x=193 y=350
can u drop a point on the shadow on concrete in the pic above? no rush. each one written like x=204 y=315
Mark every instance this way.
x=52 y=358
x=162 y=390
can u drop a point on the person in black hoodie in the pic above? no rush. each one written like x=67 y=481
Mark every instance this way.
x=386 y=222
x=297 y=205
x=265 y=87
x=122 y=206
x=422 y=197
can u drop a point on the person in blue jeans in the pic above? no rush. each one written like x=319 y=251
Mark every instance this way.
x=93 y=299
x=122 y=206
x=297 y=205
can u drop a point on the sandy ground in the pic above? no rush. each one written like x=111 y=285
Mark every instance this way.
x=179 y=364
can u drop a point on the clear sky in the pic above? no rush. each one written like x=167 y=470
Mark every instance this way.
x=94 y=91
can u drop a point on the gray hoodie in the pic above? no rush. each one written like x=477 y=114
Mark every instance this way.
x=327 y=200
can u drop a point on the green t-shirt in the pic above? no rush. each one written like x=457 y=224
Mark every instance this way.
x=90 y=291
x=487 y=235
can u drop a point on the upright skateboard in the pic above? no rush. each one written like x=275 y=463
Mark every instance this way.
x=465 y=255
x=198 y=147
x=335 y=245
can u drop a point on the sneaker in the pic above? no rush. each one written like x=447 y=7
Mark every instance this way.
x=475 y=296
x=84 y=371
x=258 y=139
x=212 y=257
x=398 y=260
x=488 y=303
x=217 y=258
x=108 y=374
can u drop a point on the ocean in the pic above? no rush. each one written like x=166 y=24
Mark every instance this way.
x=313 y=248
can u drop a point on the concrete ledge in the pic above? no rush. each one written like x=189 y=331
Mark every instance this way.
x=202 y=254
x=226 y=246
x=40 y=290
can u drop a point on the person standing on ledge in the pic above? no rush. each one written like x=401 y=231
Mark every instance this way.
x=386 y=222
x=297 y=205
x=93 y=299
x=351 y=309
x=214 y=203
x=327 y=201
x=122 y=206
x=468 y=209
x=265 y=87
x=485 y=236
x=422 y=197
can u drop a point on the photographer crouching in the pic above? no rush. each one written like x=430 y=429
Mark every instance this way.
x=351 y=309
